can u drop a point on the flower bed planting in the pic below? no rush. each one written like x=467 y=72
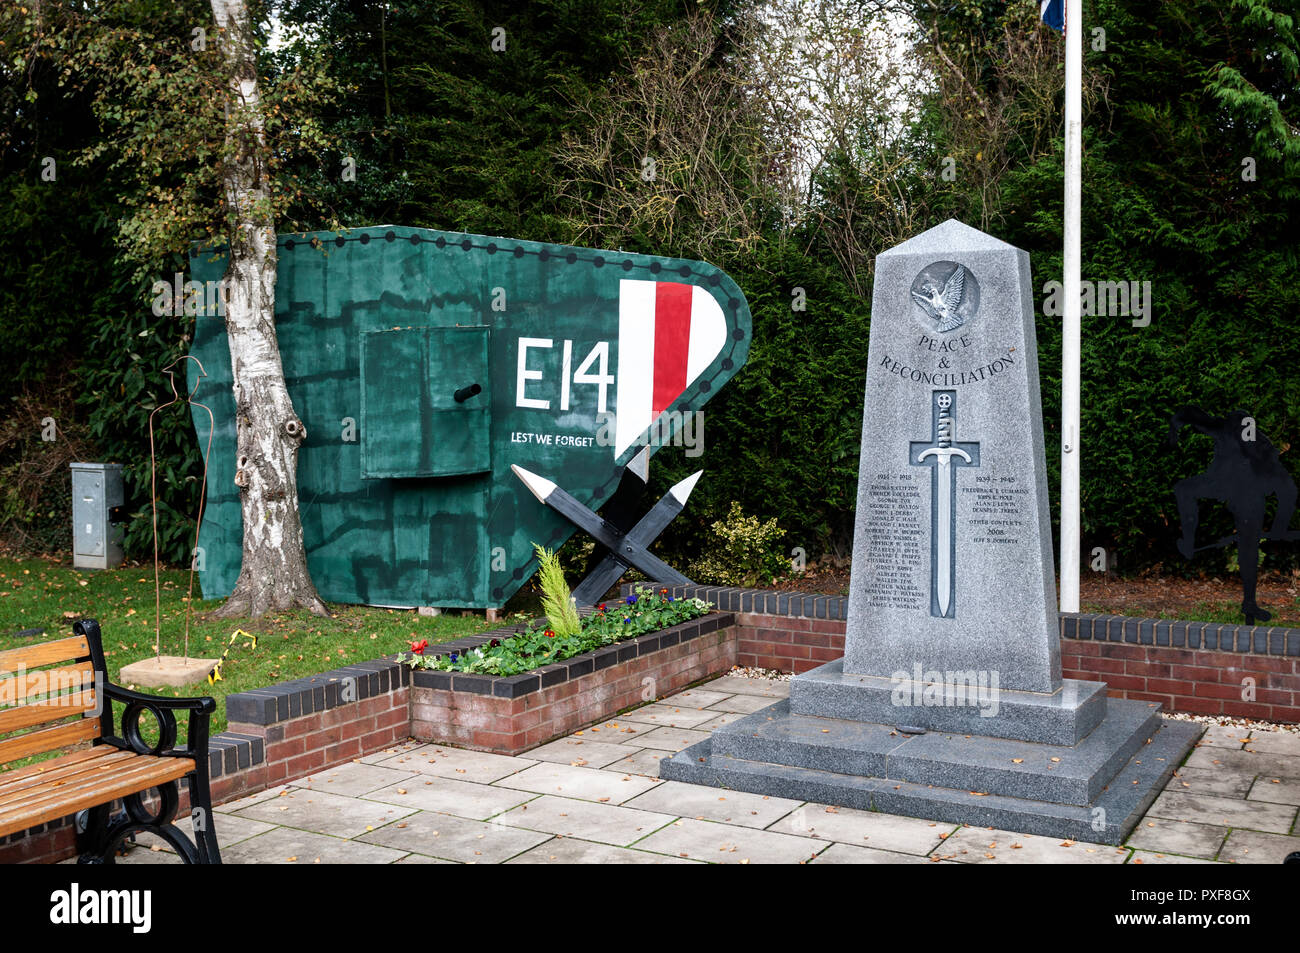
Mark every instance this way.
x=540 y=644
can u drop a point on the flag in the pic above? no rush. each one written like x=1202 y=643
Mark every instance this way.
x=1052 y=13
x=668 y=335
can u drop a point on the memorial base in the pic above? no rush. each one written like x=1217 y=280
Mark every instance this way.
x=1095 y=790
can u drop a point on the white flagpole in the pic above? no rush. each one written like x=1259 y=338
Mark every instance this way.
x=1070 y=326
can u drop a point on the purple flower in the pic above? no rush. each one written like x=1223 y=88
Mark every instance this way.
x=631 y=600
x=627 y=618
x=453 y=658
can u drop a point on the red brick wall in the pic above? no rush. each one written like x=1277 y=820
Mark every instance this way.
x=318 y=741
x=1196 y=681
x=787 y=644
x=511 y=725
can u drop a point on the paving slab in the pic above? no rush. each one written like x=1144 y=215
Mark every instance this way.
x=455 y=838
x=1275 y=742
x=725 y=844
x=1217 y=780
x=671 y=739
x=1252 y=847
x=388 y=752
x=979 y=845
x=1147 y=857
x=615 y=731
x=581 y=752
x=744 y=704
x=645 y=761
x=588 y=784
x=723 y=719
x=230 y=828
x=448 y=796
x=714 y=804
x=230 y=807
x=324 y=813
x=353 y=779
x=284 y=845
x=1276 y=790
x=1242 y=762
x=571 y=850
x=696 y=698
x=735 y=685
x=148 y=851
x=849 y=854
x=423 y=859
x=1224 y=736
x=604 y=823
x=908 y=835
x=673 y=715
x=1162 y=835
x=459 y=764
x=1224 y=811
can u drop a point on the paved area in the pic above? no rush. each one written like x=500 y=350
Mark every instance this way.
x=595 y=797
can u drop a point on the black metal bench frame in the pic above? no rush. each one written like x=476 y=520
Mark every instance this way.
x=101 y=831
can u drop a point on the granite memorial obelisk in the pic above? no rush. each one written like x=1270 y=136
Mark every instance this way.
x=949 y=702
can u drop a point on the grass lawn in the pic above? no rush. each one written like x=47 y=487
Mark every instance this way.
x=40 y=593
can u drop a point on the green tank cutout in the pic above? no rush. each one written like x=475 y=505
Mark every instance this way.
x=425 y=363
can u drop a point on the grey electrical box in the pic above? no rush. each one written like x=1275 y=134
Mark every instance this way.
x=96 y=490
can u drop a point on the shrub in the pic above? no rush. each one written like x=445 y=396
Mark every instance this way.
x=744 y=552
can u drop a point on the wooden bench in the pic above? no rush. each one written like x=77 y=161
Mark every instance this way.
x=56 y=695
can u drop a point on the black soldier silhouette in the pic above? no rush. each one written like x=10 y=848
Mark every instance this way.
x=1242 y=475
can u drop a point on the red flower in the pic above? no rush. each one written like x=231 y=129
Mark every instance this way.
x=601 y=607
x=549 y=634
x=419 y=647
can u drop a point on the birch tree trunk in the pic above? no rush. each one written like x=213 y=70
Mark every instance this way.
x=274 y=573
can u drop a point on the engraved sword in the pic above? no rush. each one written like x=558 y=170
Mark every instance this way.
x=943 y=455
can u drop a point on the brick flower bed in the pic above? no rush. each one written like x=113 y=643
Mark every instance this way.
x=510 y=714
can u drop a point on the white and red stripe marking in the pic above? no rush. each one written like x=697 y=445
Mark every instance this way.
x=668 y=334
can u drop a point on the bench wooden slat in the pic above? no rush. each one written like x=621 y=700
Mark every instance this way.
x=62 y=770
x=38 y=713
x=73 y=649
x=47 y=739
x=62 y=766
x=45 y=806
x=97 y=772
x=15 y=689
x=14 y=775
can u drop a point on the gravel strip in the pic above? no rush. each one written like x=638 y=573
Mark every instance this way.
x=771 y=674
x=1228 y=721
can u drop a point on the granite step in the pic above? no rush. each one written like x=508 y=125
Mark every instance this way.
x=1063 y=717
x=1074 y=775
x=1108 y=820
